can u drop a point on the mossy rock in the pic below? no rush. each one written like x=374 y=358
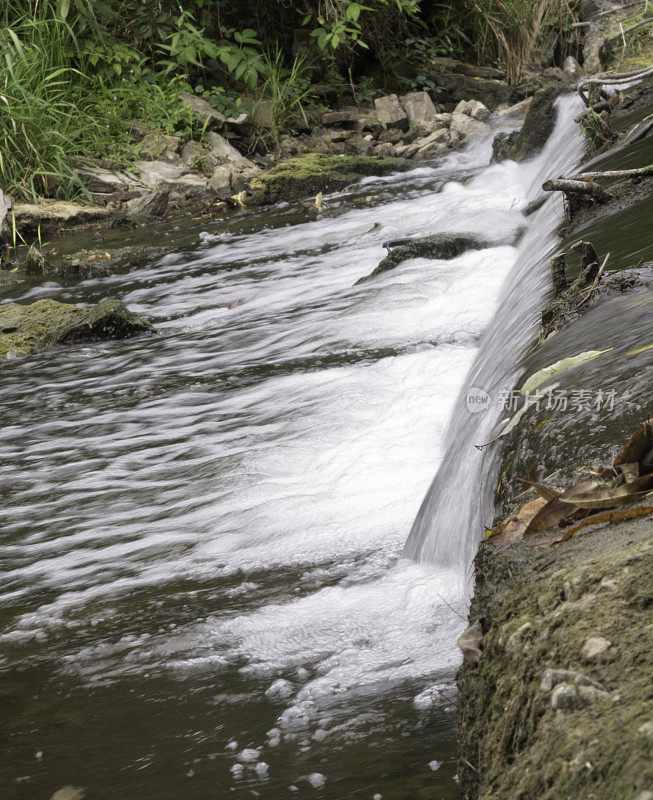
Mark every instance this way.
x=441 y=245
x=307 y=175
x=46 y=323
x=539 y=122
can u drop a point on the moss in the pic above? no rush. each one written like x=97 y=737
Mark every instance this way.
x=443 y=245
x=46 y=323
x=307 y=175
x=513 y=743
x=539 y=122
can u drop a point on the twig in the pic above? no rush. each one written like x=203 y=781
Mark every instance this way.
x=577 y=187
x=618 y=8
x=615 y=173
x=451 y=608
x=641 y=133
x=606 y=47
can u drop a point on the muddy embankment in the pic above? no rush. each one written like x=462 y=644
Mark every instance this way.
x=560 y=703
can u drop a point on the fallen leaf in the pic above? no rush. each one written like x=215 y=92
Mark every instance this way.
x=637 y=351
x=543 y=375
x=548 y=492
x=616 y=515
x=513 y=529
x=605 y=496
x=638 y=446
x=549 y=516
x=512 y=423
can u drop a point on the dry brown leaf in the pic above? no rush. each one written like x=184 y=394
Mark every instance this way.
x=513 y=529
x=552 y=514
x=616 y=515
x=638 y=446
x=547 y=492
x=604 y=495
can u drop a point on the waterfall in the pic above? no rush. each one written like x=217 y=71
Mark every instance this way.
x=459 y=501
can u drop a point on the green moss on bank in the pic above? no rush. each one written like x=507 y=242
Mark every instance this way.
x=539 y=122
x=307 y=175
x=46 y=323
x=539 y=607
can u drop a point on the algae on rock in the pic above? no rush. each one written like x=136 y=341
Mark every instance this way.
x=539 y=122
x=41 y=325
x=307 y=175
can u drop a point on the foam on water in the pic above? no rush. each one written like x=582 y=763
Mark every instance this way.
x=271 y=454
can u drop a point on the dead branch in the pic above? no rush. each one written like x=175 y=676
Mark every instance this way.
x=590 y=261
x=647 y=124
x=576 y=187
x=606 y=46
x=615 y=173
x=609 y=79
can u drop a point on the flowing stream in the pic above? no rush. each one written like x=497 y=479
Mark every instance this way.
x=205 y=592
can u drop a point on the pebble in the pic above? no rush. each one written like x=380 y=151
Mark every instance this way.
x=569 y=697
x=594 y=648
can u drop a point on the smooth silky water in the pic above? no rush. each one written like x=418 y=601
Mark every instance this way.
x=202 y=532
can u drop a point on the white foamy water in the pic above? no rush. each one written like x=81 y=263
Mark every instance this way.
x=231 y=498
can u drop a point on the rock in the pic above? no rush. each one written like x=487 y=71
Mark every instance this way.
x=440 y=138
x=204 y=113
x=6 y=204
x=552 y=677
x=336 y=117
x=391 y=135
x=441 y=246
x=192 y=153
x=572 y=697
x=35 y=264
x=158 y=174
x=470 y=641
x=467 y=126
x=555 y=74
x=307 y=175
x=69 y=793
x=572 y=68
x=595 y=648
x=220 y=182
x=187 y=187
x=52 y=215
x=240 y=124
x=419 y=109
x=516 y=111
x=390 y=112
x=502 y=145
x=138 y=130
x=455 y=81
x=539 y=123
x=263 y=115
x=46 y=323
x=363 y=147
x=157 y=143
x=473 y=108
x=222 y=150
x=646 y=729
x=517 y=641
x=104 y=181
x=384 y=149
x=152 y=204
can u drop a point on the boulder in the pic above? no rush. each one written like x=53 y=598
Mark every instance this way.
x=539 y=122
x=441 y=246
x=515 y=111
x=204 y=114
x=307 y=175
x=241 y=124
x=427 y=146
x=104 y=181
x=263 y=115
x=572 y=68
x=192 y=153
x=46 y=323
x=220 y=181
x=467 y=126
x=156 y=174
x=152 y=204
x=222 y=150
x=338 y=117
x=502 y=145
x=384 y=149
x=52 y=215
x=6 y=204
x=390 y=112
x=419 y=109
x=157 y=143
x=35 y=263
x=451 y=87
x=473 y=108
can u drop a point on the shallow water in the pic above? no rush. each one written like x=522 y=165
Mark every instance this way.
x=201 y=531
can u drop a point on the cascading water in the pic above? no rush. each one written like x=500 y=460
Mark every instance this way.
x=458 y=503
x=201 y=533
